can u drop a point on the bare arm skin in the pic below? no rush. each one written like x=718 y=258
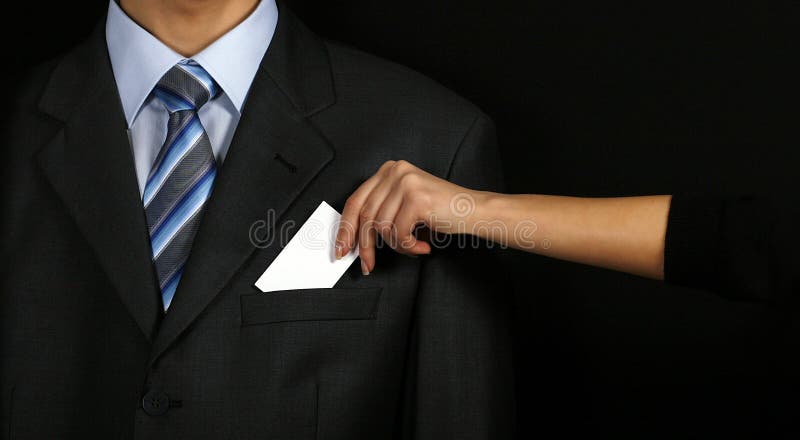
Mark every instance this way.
x=625 y=234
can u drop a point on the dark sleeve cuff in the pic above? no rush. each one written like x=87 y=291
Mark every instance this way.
x=692 y=248
x=738 y=247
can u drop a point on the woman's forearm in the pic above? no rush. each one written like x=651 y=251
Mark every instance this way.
x=625 y=234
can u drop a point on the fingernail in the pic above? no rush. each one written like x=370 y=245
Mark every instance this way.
x=339 y=251
x=364 y=268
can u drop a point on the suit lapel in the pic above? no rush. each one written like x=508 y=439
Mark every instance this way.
x=274 y=155
x=90 y=165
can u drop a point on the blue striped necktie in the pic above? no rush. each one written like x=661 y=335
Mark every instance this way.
x=182 y=176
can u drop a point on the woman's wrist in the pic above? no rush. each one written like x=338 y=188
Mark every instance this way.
x=485 y=221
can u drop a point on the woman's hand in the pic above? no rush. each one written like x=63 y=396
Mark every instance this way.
x=393 y=202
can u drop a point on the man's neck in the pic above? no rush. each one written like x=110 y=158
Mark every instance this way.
x=188 y=26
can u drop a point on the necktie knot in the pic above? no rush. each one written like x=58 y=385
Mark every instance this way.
x=186 y=86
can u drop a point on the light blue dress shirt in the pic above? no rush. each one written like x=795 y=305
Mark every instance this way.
x=139 y=60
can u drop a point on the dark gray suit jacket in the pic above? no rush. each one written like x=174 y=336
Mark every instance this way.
x=418 y=349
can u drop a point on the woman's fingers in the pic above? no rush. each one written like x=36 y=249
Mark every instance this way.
x=385 y=218
x=369 y=225
x=349 y=223
x=405 y=223
x=390 y=204
x=366 y=244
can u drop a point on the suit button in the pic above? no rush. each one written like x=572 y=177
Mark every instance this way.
x=155 y=403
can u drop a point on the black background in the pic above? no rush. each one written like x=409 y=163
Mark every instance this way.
x=597 y=99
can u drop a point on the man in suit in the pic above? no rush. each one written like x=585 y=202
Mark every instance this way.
x=137 y=164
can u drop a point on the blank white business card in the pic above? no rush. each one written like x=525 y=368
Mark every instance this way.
x=307 y=261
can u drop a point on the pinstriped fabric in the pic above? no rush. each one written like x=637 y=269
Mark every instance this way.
x=182 y=176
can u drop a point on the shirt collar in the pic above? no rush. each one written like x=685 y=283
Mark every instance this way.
x=139 y=59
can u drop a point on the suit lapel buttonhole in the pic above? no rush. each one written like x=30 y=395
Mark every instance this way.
x=290 y=166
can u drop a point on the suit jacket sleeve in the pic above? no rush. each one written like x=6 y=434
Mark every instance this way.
x=460 y=378
x=738 y=247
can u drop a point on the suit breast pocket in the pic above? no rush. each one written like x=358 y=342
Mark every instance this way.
x=335 y=304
